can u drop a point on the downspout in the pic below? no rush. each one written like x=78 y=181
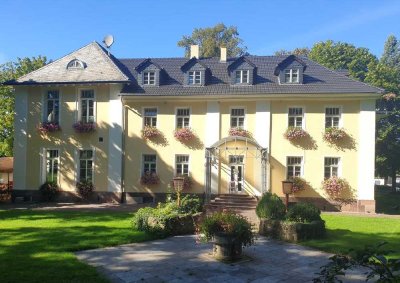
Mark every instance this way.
x=123 y=196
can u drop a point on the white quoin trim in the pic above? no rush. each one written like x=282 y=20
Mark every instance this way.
x=212 y=135
x=20 y=138
x=366 y=150
x=115 y=140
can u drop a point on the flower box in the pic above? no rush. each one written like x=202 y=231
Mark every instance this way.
x=184 y=134
x=295 y=133
x=333 y=135
x=149 y=132
x=334 y=186
x=239 y=132
x=149 y=178
x=47 y=127
x=299 y=184
x=84 y=127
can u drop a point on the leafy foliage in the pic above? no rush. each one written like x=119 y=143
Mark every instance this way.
x=12 y=71
x=334 y=186
x=184 y=134
x=391 y=52
x=303 y=212
x=149 y=132
x=302 y=51
x=299 y=184
x=270 y=206
x=84 y=127
x=295 y=133
x=333 y=135
x=239 y=132
x=210 y=40
x=49 y=191
x=85 y=189
x=149 y=178
x=190 y=204
x=47 y=127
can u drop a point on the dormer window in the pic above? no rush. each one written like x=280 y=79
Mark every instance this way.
x=194 y=77
x=149 y=78
x=242 y=77
x=75 y=64
x=292 y=76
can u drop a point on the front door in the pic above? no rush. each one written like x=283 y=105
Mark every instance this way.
x=236 y=174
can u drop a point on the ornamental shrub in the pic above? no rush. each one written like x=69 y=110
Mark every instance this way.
x=270 y=206
x=295 y=133
x=184 y=134
x=85 y=189
x=304 y=213
x=333 y=135
x=334 y=186
x=49 y=191
x=190 y=204
x=149 y=132
x=299 y=184
x=239 y=132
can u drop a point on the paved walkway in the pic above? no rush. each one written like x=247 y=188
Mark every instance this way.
x=180 y=259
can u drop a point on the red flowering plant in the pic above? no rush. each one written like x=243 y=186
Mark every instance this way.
x=334 y=186
x=295 y=133
x=84 y=127
x=149 y=178
x=333 y=135
x=149 y=132
x=299 y=184
x=184 y=134
x=239 y=132
x=47 y=127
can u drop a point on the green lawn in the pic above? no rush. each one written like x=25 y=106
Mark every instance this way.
x=345 y=232
x=38 y=246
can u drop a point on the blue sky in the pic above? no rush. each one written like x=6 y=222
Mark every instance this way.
x=152 y=28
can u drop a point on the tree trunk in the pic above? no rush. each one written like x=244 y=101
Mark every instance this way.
x=394 y=180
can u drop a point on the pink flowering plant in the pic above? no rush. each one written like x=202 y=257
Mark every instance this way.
x=334 y=186
x=295 y=133
x=149 y=132
x=47 y=127
x=149 y=178
x=184 y=134
x=299 y=184
x=239 y=132
x=84 y=127
x=334 y=135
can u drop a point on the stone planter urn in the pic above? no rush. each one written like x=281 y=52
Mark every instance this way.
x=226 y=247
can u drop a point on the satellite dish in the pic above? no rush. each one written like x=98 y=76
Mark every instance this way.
x=108 y=40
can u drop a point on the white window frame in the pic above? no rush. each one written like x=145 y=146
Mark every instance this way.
x=75 y=64
x=339 y=166
x=241 y=76
x=43 y=172
x=301 y=165
x=290 y=72
x=303 y=124
x=195 y=73
x=182 y=163
x=147 y=73
x=143 y=162
x=144 y=117
x=176 y=117
x=45 y=105
x=79 y=106
x=244 y=116
x=340 y=125
x=78 y=164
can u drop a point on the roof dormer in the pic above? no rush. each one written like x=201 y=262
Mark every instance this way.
x=290 y=70
x=194 y=72
x=149 y=73
x=242 y=72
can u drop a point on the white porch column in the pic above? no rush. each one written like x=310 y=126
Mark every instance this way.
x=366 y=150
x=212 y=135
x=115 y=140
x=20 y=138
x=262 y=134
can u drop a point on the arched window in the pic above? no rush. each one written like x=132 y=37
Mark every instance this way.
x=76 y=64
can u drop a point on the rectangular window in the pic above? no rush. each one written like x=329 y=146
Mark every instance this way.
x=149 y=163
x=52 y=165
x=150 y=117
x=332 y=117
x=182 y=165
x=86 y=165
x=237 y=118
x=296 y=117
x=292 y=76
x=87 y=106
x=294 y=167
x=242 y=77
x=148 y=78
x=331 y=167
x=53 y=106
x=182 y=118
x=194 y=77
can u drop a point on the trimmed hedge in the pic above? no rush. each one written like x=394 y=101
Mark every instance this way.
x=270 y=206
x=304 y=213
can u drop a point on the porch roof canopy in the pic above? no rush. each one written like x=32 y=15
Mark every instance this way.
x=226 y=140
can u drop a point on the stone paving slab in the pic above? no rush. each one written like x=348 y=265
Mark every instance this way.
x=181 y=259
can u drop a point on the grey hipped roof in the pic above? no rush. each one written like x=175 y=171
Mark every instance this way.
x=317 y=79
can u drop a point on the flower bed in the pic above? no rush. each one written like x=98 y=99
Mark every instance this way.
x=239 y=132
x=334 y=186
x=299 y=184
x=294 y=134
x=333 y=135
x=149 y=132
x=149 y=178
x=184 y=134
x=84 y=127
x=47 y=127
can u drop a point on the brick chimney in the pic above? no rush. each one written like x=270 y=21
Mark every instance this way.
x=223 y=55
x=194 y=51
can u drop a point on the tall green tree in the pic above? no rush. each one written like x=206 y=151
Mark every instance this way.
x=391 y=52
x=341 y=55
x=301 y=51
x=10 y=71
x=210 y=40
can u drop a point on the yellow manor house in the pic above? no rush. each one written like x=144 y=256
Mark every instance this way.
x=231 y=125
